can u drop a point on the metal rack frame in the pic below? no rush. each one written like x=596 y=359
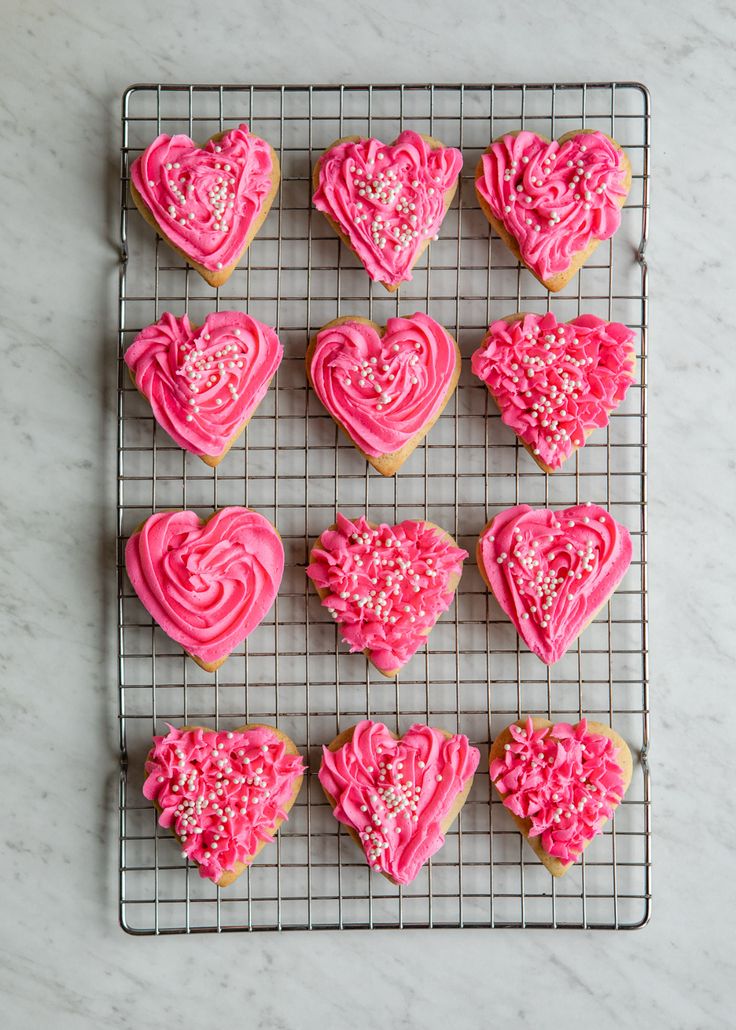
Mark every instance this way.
x=293 y=465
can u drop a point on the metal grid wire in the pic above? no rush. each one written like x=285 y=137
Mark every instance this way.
x=295 y=467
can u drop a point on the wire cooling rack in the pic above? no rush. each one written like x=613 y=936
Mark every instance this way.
x=295 y=467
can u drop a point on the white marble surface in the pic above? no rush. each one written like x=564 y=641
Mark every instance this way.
x=64 y=961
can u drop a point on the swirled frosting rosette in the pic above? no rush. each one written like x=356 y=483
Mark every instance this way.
x=204 y=382
x=223 y=793
x=553 y=201
x=207 y=584
x=397 y=795
x=552 y=571
x=386 y=202
x=555 y=382
x=207 y=202
x=384 y=387
x=561 y=783
x=385 y=586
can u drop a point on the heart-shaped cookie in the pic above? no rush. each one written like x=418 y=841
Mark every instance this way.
x=386 y=202
x=555 y=382
x=207 y=202
x=553 y=202
x=385 y=387
x=204 y=382
x=397 y=795
x=207 y=583
x=561 y=783
x=385 y=586
x=552 y=571
x=223 y=793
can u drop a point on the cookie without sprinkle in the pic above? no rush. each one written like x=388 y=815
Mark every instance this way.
x=208 y=583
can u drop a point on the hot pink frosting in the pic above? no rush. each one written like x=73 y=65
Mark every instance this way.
x=207 y=586
x=221 y=792
x=206 y=198
x=565 y=780
x=396 y=793
x=552 y=570
x=387 y=200
x=387 y=585
x=554 y=382
x=204 y=384
x=554 y=199
x=383 y=390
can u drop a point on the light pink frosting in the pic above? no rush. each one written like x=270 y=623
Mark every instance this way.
x=221 y=792
x=383 y=390
x=396 y=793
x=204 y=384
x=554 y=199
x=207 y=586
x=554 y=382
x=565 y=780
x=552 y=570
x=387 y=200
x=206 y=198
x=386 y=586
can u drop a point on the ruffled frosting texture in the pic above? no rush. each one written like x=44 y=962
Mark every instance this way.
x=221 y=792
x=387 y=200
x=386 y=585
x=551 y=571
x=206 y=585
x=554 y=199
x=383 y=390
x=206 y=198
x=204 y=384
x=395 y=793
x=554 y=382
x=564 y=780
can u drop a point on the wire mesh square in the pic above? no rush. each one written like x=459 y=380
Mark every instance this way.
x=293 y=465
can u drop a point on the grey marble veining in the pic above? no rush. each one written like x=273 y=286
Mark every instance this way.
x=64 y=961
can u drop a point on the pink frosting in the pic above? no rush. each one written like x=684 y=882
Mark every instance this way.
x=206 y=585
x=387 y=200
x=386 y=585
x=552 y=570
x=554 y=199
x=562 y=778
x=204 y=384
x=221 y=792
x=555 y=382
x=396 y=793
x=383 y=390
x=206 y=198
